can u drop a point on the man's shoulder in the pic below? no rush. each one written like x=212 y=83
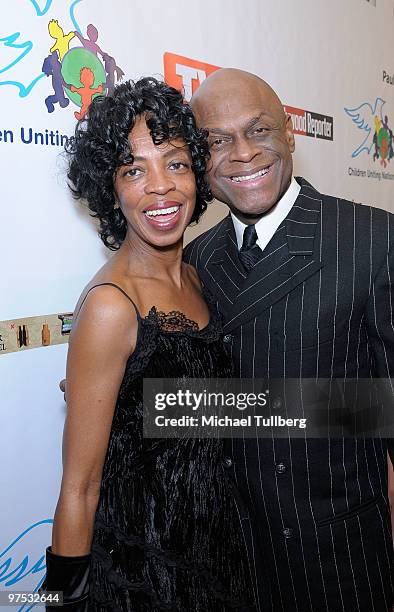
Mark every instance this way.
x=205 y=243
x=362 y=212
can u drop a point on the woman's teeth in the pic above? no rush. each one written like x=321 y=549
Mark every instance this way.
x=249 y=177
x=162 y=211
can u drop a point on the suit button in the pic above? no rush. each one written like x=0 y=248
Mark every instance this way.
x=276 y=403
x=287 y=532
x=227 y=338
x=280 y=468
x=228 y=462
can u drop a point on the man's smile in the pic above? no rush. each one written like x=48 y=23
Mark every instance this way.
x=249 y=178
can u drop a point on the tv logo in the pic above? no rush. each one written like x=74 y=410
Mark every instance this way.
x=185 y=74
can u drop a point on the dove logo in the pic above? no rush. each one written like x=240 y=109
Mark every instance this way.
x=21 y=564
x=185 y=74
x=376 y=134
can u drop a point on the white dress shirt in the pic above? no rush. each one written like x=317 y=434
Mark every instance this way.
x=269 y=223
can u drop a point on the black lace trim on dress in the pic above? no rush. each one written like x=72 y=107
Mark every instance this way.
x=173 y=321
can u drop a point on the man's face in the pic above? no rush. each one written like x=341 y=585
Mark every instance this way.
x=251 y=143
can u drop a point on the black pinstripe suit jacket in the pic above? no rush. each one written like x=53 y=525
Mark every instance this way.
x=318 y=304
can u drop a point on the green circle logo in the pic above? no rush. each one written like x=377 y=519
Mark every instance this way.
x=383 y=143
x=76 y=60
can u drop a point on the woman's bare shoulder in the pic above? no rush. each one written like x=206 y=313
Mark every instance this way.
x=112 y=287
x=105 y=312
x=110 y=274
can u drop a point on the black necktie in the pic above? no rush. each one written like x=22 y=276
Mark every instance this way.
x=250 y=252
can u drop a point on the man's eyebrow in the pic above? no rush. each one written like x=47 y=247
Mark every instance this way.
x=255 y=120
x=220 y=131
x=250 y=124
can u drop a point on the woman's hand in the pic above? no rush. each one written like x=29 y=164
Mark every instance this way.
x=62 y=387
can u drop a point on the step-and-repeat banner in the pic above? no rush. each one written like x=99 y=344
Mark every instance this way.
x=330 y=62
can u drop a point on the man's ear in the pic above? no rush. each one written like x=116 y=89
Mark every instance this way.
x=289 y=133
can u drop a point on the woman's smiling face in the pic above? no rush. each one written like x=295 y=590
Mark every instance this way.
x=157 y=193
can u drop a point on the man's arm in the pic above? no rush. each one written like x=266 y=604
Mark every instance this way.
x=380 y=327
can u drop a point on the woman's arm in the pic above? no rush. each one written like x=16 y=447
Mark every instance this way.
x=102 y=339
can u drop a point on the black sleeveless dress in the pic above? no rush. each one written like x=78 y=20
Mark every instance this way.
x=167 y=533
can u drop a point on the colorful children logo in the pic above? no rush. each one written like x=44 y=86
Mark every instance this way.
x=376 y=133
x=78 y=74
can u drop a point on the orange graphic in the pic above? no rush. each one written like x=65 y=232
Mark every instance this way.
x=186 y=74
x=86 y=92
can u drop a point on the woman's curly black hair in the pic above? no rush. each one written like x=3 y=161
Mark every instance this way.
x=101 y=146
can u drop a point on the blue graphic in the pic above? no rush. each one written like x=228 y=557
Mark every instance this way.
x=9 y=41
x=365 y=118
x=41 y=11
x=16 y=564
x=72 y=16
x=24 y=48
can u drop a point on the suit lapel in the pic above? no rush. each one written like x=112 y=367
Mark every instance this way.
x=226 y=275
x=292 y=256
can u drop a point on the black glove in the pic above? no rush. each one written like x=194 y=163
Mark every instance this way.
x=70 y=575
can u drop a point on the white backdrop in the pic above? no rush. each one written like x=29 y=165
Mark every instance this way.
x=320 y=56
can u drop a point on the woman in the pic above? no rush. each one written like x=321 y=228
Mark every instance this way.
x=141 y=524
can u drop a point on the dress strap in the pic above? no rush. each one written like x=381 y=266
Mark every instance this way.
x=117 y=287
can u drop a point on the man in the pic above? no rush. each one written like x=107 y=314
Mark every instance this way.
x=303 y=282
